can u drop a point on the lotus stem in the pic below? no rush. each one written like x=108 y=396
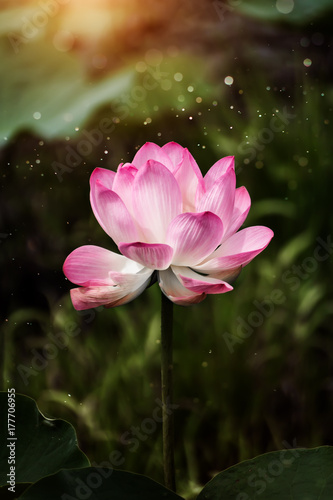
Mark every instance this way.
x=166 y=378
x=2 y=361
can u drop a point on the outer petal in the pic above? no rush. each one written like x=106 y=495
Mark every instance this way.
x=151 y=255
x=98 y=177
x=156 y=200
x=190 y=180
x=106 y=177
x=218 y=169
x=111 y=296
x=151 y=151
x=242 y=206
x=219 y=199
x=239 y=249
x=90 y=265
x=200 y=284
x=175 y=291
x=112 y=214
x=193 y=237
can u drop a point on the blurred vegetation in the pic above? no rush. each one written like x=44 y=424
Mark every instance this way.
x=116 y=78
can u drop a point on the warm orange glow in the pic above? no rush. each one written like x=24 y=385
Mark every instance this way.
x=94 y=18
x=99 y=30
x=91 y=18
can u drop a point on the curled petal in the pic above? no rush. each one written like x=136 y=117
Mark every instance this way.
x=113 y=216
x=200 y=284
x=218 y=169
x=151 y=255
x=175 y=291
x=193 y=237
x=239 y=249
x=111 y=296
x=219 y=198
x=156 y=200
x=90 y=265
x=151 y=151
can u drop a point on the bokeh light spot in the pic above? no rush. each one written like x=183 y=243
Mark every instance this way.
x=141 y=67
x=63 y=41
x=178 y=77
x=166 y=84
x=305 y=42
x=285 y=6
x=99 y=61
x=302 y=161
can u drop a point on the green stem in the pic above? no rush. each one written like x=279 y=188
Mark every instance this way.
x=166 y=377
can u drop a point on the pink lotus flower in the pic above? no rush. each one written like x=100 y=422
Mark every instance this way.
x=166 y=217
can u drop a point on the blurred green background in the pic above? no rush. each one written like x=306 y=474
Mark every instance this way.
x=85 y=84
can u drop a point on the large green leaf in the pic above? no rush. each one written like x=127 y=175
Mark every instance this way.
x=53 y=94
x=6 y=494
x=42 y=446
x=50 y=92
x=98 y=484
x=295 y=474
